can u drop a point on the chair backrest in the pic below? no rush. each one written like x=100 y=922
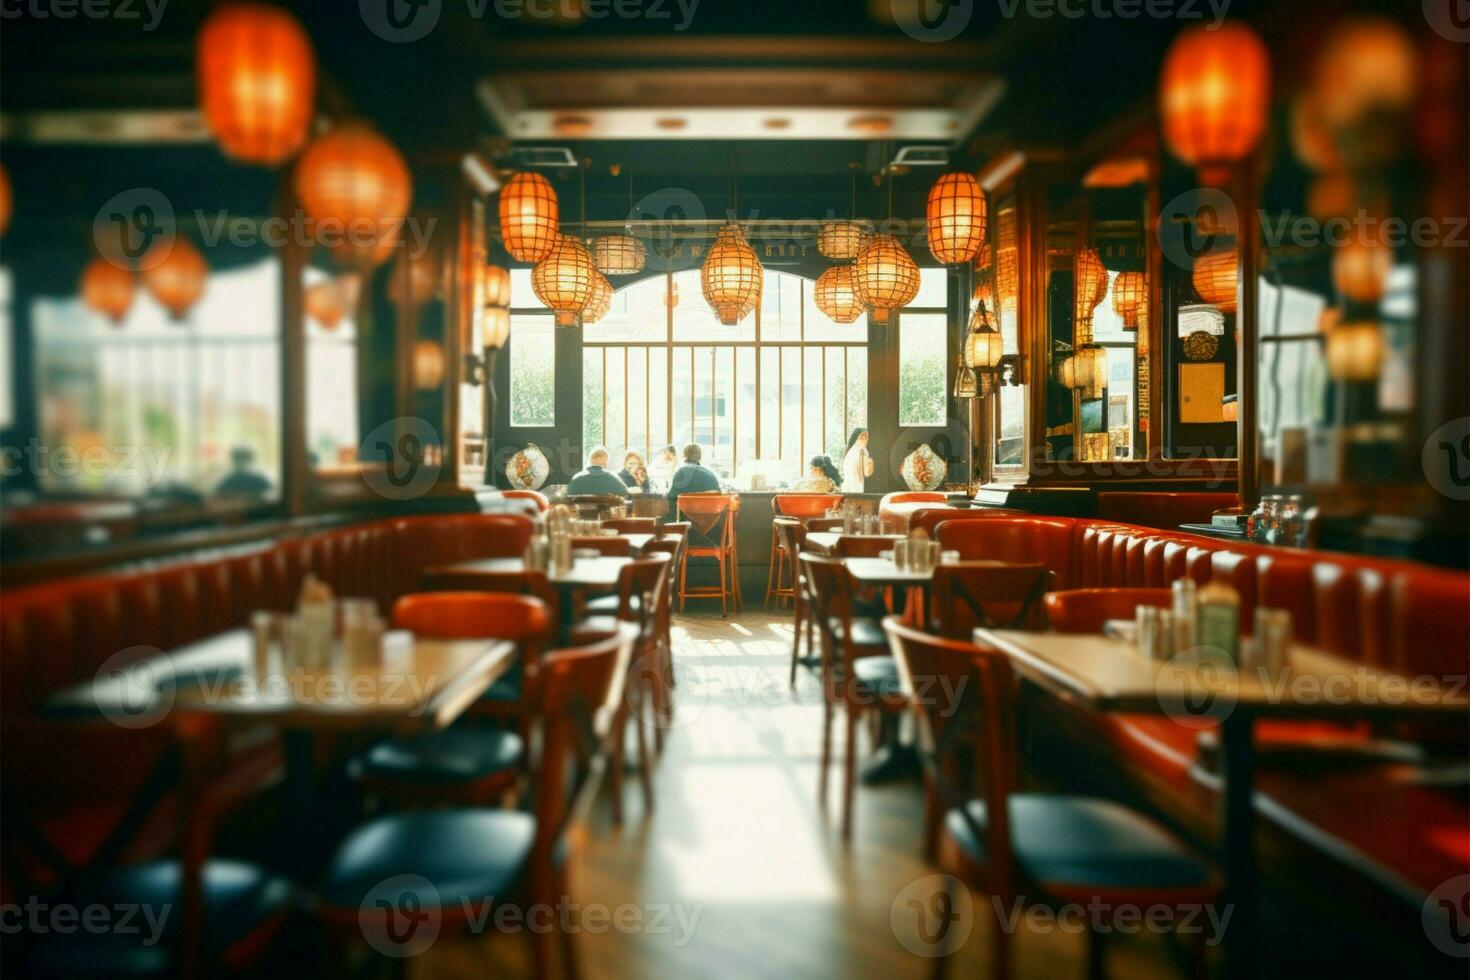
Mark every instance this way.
x=992 y=595
x=632 y=525
x=605 y=546
x=522 y=619
x=520 y=582
x=576 y=698
x=791 y=536
x=535 y=496
x=962 y=696
x=805 y=504
x=708 y=514
x=644 y=580
x=862 y=546
x=1085 y=610
x=824 y=524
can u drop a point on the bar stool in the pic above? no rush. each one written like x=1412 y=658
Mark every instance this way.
x=710 y=514
x=800 y=506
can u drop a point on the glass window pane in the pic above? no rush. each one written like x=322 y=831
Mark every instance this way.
x=639 y=395
x=693 y=318
x=921 y=361
x=790 y=447
x=821 y=327
x=615 y=397
x=639 y=313
x=522 y=296
x=1010 y=437
x=770 y=406
x=682 y=396
x=745 y=408
x=722 y=411
x=593 y=402
x=857 y=388
x=1120 y=402
x=933 y=289
x=1106 y=324
x=811 y=427
x=781 y=306
x=658 y=405
x=532 y=370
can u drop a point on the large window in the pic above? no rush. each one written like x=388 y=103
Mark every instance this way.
x=331 y=388
x=760 y=397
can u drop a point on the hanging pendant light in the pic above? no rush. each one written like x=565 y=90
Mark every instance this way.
x=1091 y=285
x=428 y=365
x=1214 y=96
x=496 y=326
x=886 y=277
x=966 y=385
x=108 y=289
x=420 y=282
x=984 y=345
x=257 y=82
x=563 y=280
x=176 y=280
x=619 y=255
x=1130 y=293
x=1090 y=370
x=1360 y=270
x=530 y=218
x=354 y=184
x=842 y=239
x=956 y=218
x=1354 y=351
x=731 y=275
x=836 y=296
x=671 y=298
x=600 y=302
x=497 y=286
x=1215 y=279
x=328 y=301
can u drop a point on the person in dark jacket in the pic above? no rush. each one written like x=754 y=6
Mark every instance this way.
x=634 y=474
x=596 y=479
x=692 y=477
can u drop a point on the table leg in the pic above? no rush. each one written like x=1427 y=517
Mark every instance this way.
x=1238 y=851
x=299 y=818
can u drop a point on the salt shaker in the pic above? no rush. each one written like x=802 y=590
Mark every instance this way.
x=1184 y=614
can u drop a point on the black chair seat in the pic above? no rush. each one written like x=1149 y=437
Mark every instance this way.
x=241 y=901
x=610 y=605
x=455 y=857
x=1084 y=842
x=462 y=753
x=508 y=687
x=878 y=675
x=865 y=633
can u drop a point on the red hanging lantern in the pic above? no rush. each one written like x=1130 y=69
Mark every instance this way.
x=1360 y=270
x=564 y=279
x=885 y=277
x=356 y=188
x=108 y=289
x=1214 y=95
x=956 y=218
x=530 y=218
x=1367 y=64
x=1215 y=279
x=497 y=286
x=327 y=303
x=257 y=82
x=176 y=280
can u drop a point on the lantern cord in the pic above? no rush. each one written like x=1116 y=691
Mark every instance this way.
x=583 y=174
x=852 y=207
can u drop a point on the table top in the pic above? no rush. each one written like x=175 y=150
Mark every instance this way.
x=416 y=683
x=586 y=573
x=825 y=542
x=1110 y=675
x=882 y=571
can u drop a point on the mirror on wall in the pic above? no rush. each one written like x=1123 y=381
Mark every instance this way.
x=1201 y=340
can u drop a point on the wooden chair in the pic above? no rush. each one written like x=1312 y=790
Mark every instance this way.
x=857 y=672
x=1015 y=845
x=800 y=506
x=993 y=595
x=862 y=546
x=711 y=516
x=632 y=525
x=792 y=536
x=535 y=496
x=605 y=546
x=1085 y=610
x=471 y=857
x=824 y=524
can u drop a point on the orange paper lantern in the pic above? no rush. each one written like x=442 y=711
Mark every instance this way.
x=600 y=302
x=257 y=82
x=356 y=188
x=1214 y=95
x=428 y=365
x=328 y=301
x=619 y=255
x=108 y=289
x=420 y=282
x=731 y=276
x=1367 y=64
x=497 y=286
x=886 y=277
x=530 y=218
x=1130 y=293
x=1354 y=351
x=842 y=239
x=956 y=218
x=177 y=279
x=496 y=326
x=1360 y=270
x=835 y=295
x=1215 y=279
x=563 y=280
x=1090 y=287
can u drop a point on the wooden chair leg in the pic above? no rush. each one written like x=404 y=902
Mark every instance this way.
x=826 y=752
x=1000 y=960
x=796 y=643
x=683 y=582
x=849 y=774
x=1095 y=970
x=931 y=819
x=724 y=606
x=619 y=751
x=645 y=762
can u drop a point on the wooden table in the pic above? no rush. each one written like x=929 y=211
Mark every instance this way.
x=825 y=542
x=586 y=573
x=1108 y=675
x=636 y=542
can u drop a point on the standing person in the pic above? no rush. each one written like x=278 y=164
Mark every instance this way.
x=857 y=466
x=596 y=479
x=663 y=468
x=632 y=468
x=692 y=477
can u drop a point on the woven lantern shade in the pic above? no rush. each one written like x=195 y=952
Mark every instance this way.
x=177 y=281
x=563 y=280
x=257 y=82
x=108 y=289
x=835 y=296
x=983 y=258
x=421 y=282
x=530 y=219
x=1067 y=371
x=984 y=346
x=428 y=365
x=1367 y=65
x=1354 y=351
x=353 y=183
x=600 y=302
x=496 y=326
x=886 y=278
x=1091 y=285
x=1215 y=279
x=1130 y=293
x=731 y=275
x=327 y=303
x=1360 y=269
x=1214 y=96
x=497 y=286
x=1090 y=370
x=619 y=255
x=956 y=218
x=842 y=239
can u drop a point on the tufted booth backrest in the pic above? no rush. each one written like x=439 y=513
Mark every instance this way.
x=1166 y=510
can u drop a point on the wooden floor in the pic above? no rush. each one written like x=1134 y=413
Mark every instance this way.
x=738 y=874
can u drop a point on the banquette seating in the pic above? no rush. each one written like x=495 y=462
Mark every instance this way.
x=57 y=634
x=1394 y=615
x=1164 y=510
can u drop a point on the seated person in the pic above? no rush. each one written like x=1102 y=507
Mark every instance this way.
x=243 y=480
x=663 y=468
x=692 y=477
x=596 y=479
x=822 y=478
x=634 y=474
